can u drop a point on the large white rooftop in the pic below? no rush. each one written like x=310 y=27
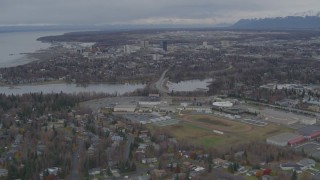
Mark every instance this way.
x=223 y=104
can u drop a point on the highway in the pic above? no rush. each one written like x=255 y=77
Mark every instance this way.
x=159 y=85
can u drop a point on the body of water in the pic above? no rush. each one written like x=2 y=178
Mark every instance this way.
x=190 y=85
x=71 y=88
x=13 y=45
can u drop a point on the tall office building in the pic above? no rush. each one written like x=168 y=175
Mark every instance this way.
x=144 y=44
x=127 y=49
x=164 y=45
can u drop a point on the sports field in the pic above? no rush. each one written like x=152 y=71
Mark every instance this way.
x=216 y=123
x=198 y=129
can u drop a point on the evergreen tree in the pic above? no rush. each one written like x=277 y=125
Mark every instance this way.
x=294 y=176
x=230 y=168
x=187 y=175
x=133 y=167
x=177 y=170
x=160 y=165
x=176 y=177
x=171 y=166
x=45 y=174
x=209 y=159
x=210 y=168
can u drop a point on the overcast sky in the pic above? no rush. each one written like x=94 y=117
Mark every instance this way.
x=92 y=12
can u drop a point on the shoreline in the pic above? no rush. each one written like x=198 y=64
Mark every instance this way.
x=64 y=82
x=20 y=47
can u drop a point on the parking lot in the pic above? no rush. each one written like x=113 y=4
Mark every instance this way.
x=282 y=117
x=308 y=148
x=254 y=122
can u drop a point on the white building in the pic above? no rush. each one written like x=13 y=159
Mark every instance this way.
x=144 y=44
x=222 y=104
x=156 y=57
x=225 y=44
x=125 y=108
x=205 y=44
x=127 y=49
x=149 y=103
x=308 y=121
x=307 y=163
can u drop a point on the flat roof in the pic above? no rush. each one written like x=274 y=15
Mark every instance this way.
x=284 y=137
x=308 y=147
x=308 y=130
x=125 y=106
x=223 y=104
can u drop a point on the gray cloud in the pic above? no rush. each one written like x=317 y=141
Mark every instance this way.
x=145 y=11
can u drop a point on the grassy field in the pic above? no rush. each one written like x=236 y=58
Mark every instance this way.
x=317 y=166
x=217 y=123
x=194 y=134
x=251 y=178
x=201 y=132
x=213 y=121
x=209 y=141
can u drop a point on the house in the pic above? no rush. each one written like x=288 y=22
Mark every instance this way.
x=115 y=173
x=149 y=160
x=242 y=170
x=291 y=166
x=94 y=172
x=239 y=154
x=267 y=177
x=307 y=163
x=116 y=138
x=3 y=172
x=144 y=177
x=40 y=149
x=158 y=173
x=53 y=171
x=219 y=161
x=91 y=150
x=267 y=172
x=187 y=165
x=198 y=169
x=316 y=176
x=143 y=146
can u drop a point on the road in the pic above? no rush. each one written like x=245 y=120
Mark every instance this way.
x=159 y=85
x=129 y=142
x=294 y=110
x=75 y=161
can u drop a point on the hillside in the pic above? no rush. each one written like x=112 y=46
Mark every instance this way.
x=290 y=22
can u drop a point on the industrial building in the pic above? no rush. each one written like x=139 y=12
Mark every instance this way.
x=148 y=106
x=285 y=139
x=222 y=104
x=308 y=121
x=310 y=132
x=125 y=108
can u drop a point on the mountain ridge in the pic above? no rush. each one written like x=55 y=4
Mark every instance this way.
x=289 y=22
